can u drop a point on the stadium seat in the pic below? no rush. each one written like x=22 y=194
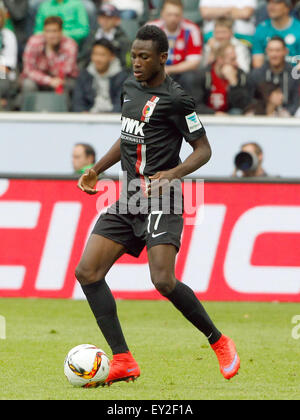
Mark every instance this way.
x=130 y=26
x=44 y=102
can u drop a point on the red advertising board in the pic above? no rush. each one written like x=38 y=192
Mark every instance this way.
x=245 y=244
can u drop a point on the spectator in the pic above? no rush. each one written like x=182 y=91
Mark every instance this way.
x=185 y=43
x=268 y=101
x=262 y=12
x=18 y=12
x=83 y=157
x=223 y=33
x=280 y=24
x=241 y=11
x=222 y=87
x=98 y=87
x=8 y=62
x=109 y=28
x=129 y=9
x=248 y=162
x=279 y=72
x=73 y=14
x=50 y=59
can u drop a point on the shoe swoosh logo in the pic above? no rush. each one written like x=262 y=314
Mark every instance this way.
x=229 y=368
x=130 y=370
x=158 y=234
x=127 y=100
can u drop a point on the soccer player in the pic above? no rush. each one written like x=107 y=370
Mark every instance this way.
x=156 y=115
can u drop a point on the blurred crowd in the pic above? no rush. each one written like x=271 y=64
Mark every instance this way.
x=236 y=57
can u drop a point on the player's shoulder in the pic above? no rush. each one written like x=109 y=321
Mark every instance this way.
x=179 y=97
x=130 y=83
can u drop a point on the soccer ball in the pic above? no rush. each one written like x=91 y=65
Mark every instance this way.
x=86 y=366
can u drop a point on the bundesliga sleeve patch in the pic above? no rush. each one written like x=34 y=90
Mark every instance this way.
x=193 y=122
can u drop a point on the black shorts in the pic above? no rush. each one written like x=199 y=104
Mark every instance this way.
x=136 y=231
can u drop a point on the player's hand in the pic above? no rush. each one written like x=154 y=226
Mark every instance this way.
x=159 y=181
x=88 y=181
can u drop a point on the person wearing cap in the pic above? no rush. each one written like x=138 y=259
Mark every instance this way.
x=282 y=24
x=109 y=20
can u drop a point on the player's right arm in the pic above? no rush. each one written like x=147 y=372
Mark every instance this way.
x=88 y=180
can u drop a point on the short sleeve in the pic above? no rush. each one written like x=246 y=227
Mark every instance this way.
x=186 y=119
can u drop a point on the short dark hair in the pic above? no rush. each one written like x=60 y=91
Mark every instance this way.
x=50 y=20
x=103 y=42
x=88 y=149
x=277 y=38
x=155 y=34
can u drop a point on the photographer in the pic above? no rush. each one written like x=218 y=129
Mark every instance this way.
x=248 y=162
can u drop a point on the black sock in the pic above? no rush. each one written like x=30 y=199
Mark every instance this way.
x=185 y=300
x=104 y=308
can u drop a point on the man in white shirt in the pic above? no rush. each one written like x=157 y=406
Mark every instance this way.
x=241 y=11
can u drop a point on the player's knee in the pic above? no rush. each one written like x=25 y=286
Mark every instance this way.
x=85 y=276
x=164 y=282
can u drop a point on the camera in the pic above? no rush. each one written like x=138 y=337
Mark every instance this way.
x=246 y=161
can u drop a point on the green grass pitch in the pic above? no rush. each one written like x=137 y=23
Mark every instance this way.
x=175 y=359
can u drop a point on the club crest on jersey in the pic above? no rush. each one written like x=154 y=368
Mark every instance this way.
x=149 y=108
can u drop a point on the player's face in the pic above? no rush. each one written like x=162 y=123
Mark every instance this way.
x=53 y=34
x=147 y=63
x=276 y=53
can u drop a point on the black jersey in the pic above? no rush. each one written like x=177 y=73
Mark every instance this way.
x=154 y=121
